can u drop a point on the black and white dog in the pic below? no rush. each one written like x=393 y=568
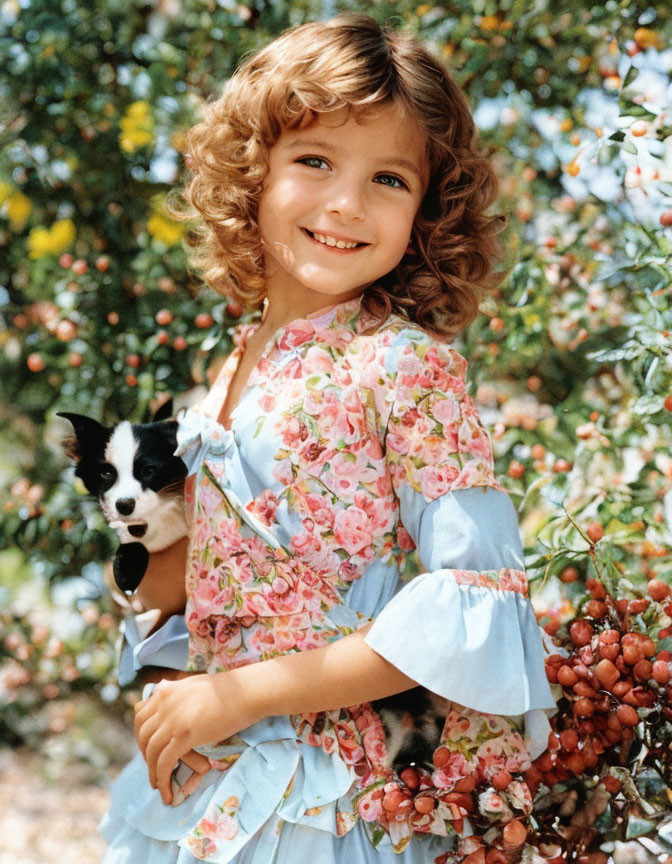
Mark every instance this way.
x=132 y=470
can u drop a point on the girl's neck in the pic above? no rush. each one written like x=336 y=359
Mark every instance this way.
x=281 y=308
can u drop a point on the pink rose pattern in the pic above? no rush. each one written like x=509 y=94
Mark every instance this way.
x=219 y=823
x=332 y=405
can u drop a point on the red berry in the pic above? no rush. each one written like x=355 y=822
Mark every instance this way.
x=65 y=260
x=133 y=360
x=234 y=309
x=569 y=574
x=103 y=263
x=514 y=834
x=80 y=267
x=609 y=652
x=596 y=589
x=441 y=756
x=596 y=609
x=569 y=739
x=648 y=646
x=584 y=707
x=179 y=343
x=561 y=466
x=410 y=777
x=607 y=674
x=580 y=632
x=576 y=762
x=661 y=671
x=392 y=800
x=641 y=604
x=666 y=218
x=668 y=400
x=496 y=324
x=567 y=676
x=424 y=803
x=131 y=380
x=658 y=590
x=203 y=320
x=516 y=470
x=595 y=531
x=611 y=784
x=501 y=780
x=632 y=654
x=35 y=362
x=627 y=715
x=643 y=670
x=163 y=338
x=75 y=359
x=164 y=317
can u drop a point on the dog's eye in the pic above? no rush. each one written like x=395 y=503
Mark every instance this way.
x=107 y=473
x=146 y=474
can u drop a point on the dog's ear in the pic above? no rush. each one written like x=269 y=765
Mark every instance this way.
x=87 y=431
x=164 y=412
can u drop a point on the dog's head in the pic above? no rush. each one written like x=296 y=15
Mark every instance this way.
x=131 y=469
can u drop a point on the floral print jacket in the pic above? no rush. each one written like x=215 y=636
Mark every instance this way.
x=356 y=482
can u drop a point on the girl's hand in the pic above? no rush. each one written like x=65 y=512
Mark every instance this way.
x=181 y=715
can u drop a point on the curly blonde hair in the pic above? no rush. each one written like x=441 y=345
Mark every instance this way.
x=349 y=61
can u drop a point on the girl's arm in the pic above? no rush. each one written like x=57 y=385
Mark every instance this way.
x=163 y=585
x=203 y=709
x=346 y=672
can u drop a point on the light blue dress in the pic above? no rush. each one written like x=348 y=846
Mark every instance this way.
x=464 y=628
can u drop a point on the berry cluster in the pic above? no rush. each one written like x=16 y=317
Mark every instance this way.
x=614 y=691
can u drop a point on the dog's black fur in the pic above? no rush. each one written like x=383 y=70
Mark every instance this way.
x=133 y=472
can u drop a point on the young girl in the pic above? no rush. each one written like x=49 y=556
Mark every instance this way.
x=336 y=457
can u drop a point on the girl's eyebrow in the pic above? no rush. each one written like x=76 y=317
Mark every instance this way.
x=393 y=161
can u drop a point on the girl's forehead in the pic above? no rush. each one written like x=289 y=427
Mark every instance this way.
x=386 y=128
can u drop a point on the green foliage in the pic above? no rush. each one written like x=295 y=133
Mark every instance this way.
x=571 y=361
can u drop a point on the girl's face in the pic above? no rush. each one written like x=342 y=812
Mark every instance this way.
x=339 y=202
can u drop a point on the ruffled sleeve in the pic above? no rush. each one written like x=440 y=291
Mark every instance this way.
x=465 y=629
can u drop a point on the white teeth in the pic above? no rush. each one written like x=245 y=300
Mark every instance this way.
x=331 y=241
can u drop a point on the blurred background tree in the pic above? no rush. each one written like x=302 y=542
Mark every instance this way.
x=571 y=361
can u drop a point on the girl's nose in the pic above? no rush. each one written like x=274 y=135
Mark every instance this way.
x=347 y=200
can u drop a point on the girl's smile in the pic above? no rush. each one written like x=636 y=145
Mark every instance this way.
x=338 y=206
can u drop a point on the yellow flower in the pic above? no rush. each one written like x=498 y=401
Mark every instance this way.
x=646 y=38
x=51 y=241
x=39 y=242
x=137 y=127
x=62 y=234
x=19 y=208
x=489 y=22
x=164 y=229
x=6 y=190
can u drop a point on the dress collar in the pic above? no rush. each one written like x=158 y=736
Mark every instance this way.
x=347 y=314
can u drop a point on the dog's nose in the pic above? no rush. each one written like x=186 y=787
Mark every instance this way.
x=125 y=505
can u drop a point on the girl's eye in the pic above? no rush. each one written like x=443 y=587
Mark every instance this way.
x=312 y=161
x=391 y=180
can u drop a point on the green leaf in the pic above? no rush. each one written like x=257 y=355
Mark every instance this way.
x=638 y=827
x=646 y=405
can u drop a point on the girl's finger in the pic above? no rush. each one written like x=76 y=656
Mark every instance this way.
x=155 y=747
x=165 y=765
x=196 y=761
x=144 y=732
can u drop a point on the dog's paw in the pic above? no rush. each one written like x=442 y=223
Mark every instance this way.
x=129 y=566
